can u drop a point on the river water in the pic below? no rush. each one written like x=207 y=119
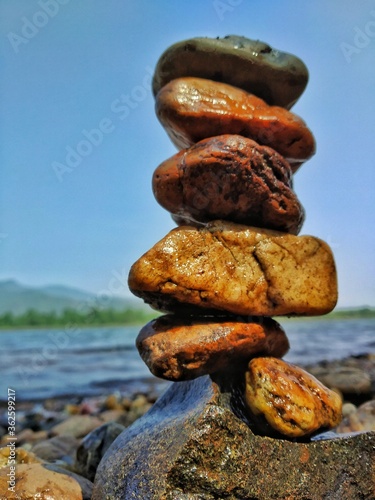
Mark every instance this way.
x=42 y=363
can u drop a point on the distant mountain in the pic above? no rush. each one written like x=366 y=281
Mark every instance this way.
x=18 y=298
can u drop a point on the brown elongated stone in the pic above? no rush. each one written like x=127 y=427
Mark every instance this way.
x=276 y=76
x=229 y=177
x=238 y=269
x=183 y=348
x=293 y=402
x=191 y=109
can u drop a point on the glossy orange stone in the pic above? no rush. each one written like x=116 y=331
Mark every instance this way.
x=192 y=109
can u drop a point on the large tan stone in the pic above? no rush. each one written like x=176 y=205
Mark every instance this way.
x=293 y=402
x=239 y=269
x=192 y=109
x=183 y=348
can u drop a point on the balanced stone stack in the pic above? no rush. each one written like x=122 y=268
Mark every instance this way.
x=234 y=261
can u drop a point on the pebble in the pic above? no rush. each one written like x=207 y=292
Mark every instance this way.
x=76 y=426
x=348 y=380
x=291 y=400
x=114 y=402
x=22 y=456
x=276 y=76
x=57 y=448
x=140 y=405
x=348 y=408
x=38 y=481
x=93 y=447
x=362 y=419
x=112 y=415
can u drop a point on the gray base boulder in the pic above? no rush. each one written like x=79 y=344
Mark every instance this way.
x=195 y=444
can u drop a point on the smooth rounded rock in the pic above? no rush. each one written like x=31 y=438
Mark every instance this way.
x=93 y=448
x=238 y=269
x=76 y=426
x=57 y=448
x=191 y=109
x=194 y=444
x=361 y=420
x=229 y=177
x=293 y=402
x=277 y=77
x=348 y=380
x=44 y=482
x=183 y=348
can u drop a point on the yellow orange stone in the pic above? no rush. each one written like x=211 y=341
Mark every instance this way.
x=293 y=402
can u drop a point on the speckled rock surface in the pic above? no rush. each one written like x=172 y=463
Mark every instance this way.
x=277 y=77
x=233 y=178
x=238 y=269
x=191 y=109
x=192 y=445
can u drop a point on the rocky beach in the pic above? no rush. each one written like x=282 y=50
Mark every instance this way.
x=61 y=441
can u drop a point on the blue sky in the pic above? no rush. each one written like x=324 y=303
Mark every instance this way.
x=70 y=68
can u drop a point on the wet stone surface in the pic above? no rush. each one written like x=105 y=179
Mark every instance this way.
x=182 y=347
x=191 y=109
x=192 y=445
x=237 y=269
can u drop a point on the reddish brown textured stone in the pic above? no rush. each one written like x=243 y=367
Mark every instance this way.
x=233 y=178
x=192 y=109
x=292 y=401
x=191 y=445
x=183 y=348
x=238 y=269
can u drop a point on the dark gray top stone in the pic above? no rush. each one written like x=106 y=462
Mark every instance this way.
x=277 y=77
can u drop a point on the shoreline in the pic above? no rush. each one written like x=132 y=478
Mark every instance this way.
x=71 y=433
x=339 y=315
